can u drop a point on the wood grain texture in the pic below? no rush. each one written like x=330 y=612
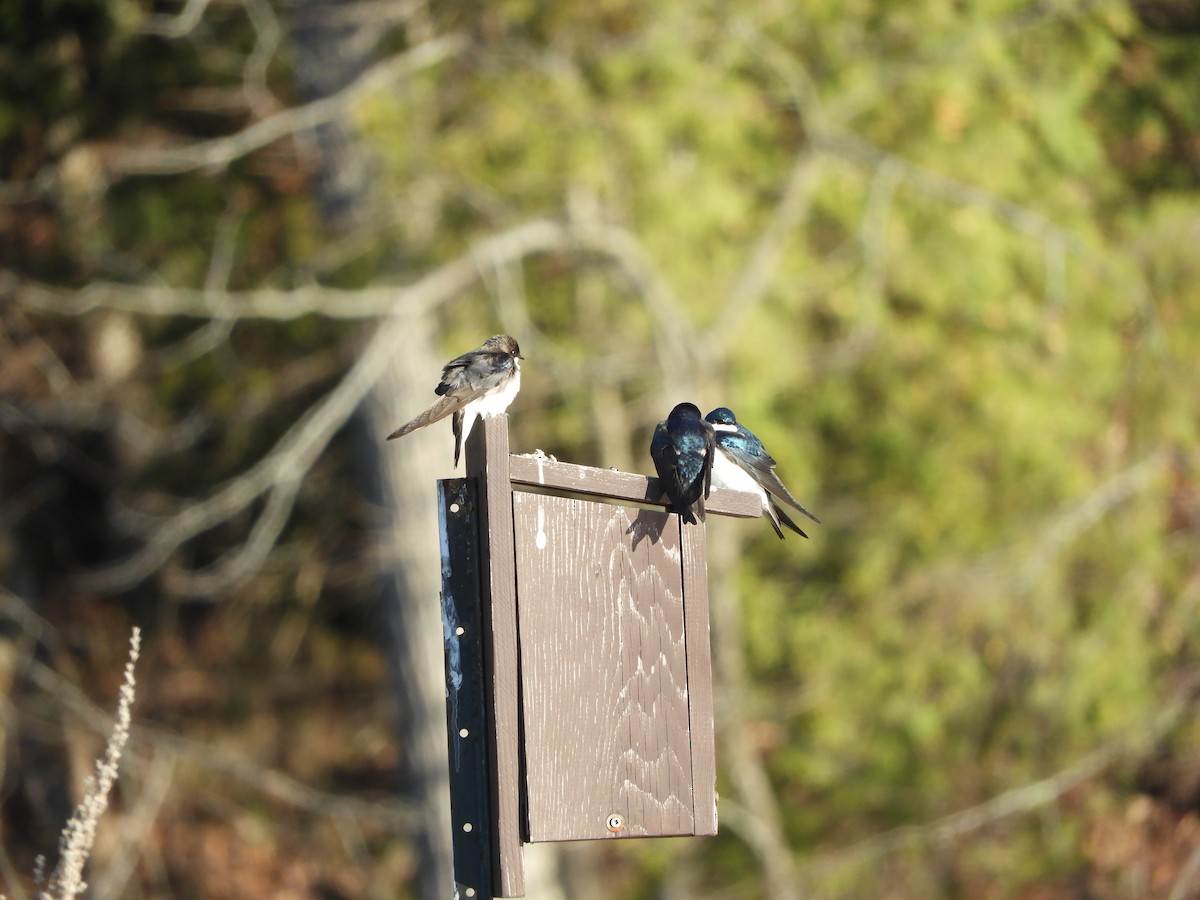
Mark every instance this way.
x=541 y=471
x=700 y=677
x=604 y=669
x=487 y=462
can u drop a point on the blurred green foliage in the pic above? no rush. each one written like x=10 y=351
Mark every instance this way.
x=976 y=359
x=988 y=393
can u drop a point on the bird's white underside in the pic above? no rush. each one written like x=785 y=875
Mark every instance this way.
x=728 y=474
x=492 y=404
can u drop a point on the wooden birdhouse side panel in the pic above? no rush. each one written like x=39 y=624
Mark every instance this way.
x=604 y=670
x=700 y=679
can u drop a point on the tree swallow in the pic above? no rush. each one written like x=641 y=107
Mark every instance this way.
x=743 y=464
x=682 y=449
x=482 y=382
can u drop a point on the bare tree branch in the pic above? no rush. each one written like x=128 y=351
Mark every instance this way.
x=13 y=192
x=1066 y=527
x=873 y=237
x=760 y=270
x=617 y=245
x=764 y=838
x=267 y=32
x=216 y=154
x=1186 y=878
x=673 y=332
x=757 y=816
x=1017 y=801
x=216 y=282
x=950 y=190
x=247 y=558
x=162 y=300
x=281 y=471
x=1055 y=273
x=178 y=25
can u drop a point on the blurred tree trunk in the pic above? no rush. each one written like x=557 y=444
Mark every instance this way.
x=403 y=478
x=333 y=42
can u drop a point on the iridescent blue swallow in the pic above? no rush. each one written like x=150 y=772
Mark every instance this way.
x=683 y=449
x=482 y=382
x=743 y=464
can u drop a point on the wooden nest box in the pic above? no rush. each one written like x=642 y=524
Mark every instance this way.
x=579 y=696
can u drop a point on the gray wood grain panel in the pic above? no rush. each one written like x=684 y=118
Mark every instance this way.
x=700 y=678
x=604 y=669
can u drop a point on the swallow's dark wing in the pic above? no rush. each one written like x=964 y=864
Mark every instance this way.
x=776 y=488
x=465 y=378
x=748 y=452
x=456 y=425
x=474 y=374
x=710 y=451
x=786 y=520
x=667 y=458
x=695 y=461
x=444 y=406
x=695 y=447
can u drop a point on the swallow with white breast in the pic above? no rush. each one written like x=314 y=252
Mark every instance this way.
x=480 y=383
x=743 y=464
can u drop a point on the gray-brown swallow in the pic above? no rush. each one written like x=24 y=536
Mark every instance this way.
x=482 y=382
